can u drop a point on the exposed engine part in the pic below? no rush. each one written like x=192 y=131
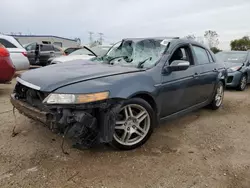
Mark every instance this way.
x=107 y=123
x=84 y=131
x=62 y=145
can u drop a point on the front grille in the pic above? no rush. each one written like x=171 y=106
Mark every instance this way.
x=31 y=96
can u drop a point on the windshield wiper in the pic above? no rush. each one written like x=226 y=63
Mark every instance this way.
x=117 y=58
x=144 y=61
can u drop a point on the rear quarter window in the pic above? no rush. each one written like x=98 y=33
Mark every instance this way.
x=7 y=44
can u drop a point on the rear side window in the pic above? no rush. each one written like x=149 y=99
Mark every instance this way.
x=7 y=44
x=47 y=48
x=201 y=55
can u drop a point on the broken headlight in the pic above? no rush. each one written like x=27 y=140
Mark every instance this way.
x=55 y=98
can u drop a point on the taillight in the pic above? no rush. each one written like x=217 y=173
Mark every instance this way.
x=25 y=54
x=4 y=52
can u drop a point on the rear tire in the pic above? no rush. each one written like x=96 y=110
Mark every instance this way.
x=134 y=125
x=243 y=83
x=218 y=97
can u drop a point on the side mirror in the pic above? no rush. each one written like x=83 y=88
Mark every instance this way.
x=178 y=65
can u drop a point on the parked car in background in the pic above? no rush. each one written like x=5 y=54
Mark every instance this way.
x=7 y=69
x=101 y=49
x=84 y=54
x=38 y=54
x=238 y=66
x=117 y=99
x=18 y=54
x=68 y=51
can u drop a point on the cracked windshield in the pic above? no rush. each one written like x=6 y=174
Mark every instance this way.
x=140 y=53
x=124 y=94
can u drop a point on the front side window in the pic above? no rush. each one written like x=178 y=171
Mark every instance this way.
x=31 y=47
x=7 y=44
x=182 y=53
x=201 y=55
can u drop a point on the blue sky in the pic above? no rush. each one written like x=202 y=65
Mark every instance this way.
x=127 y=18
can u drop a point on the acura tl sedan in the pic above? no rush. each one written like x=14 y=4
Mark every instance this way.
x=238 y=66
x=121 y=97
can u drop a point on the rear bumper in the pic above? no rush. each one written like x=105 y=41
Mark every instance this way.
x=233 y=79
x=28 y=110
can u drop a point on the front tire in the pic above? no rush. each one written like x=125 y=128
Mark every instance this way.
x=218 y=97
x=243 y=83
x=134 y=125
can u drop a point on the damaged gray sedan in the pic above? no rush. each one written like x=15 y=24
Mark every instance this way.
x=120 y=97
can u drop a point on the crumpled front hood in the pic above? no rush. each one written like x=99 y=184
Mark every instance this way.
x=51 y=77
x=62 y=59
x=230 y=64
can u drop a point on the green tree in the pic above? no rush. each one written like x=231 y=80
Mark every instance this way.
x=242 y=44
x=212 y=38
x=215 y=50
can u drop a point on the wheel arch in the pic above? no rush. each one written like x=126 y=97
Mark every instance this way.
x=148 y=98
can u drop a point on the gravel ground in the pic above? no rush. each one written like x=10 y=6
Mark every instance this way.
x=203 y=149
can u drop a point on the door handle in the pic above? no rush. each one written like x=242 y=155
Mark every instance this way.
x=215 y=70
x=195 y=75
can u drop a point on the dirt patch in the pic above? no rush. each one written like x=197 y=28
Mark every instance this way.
x=203 y=149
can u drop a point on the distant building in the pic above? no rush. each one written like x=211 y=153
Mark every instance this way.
x=48 y=39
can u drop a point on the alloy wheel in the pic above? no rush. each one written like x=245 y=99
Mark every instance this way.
x=243 y=82
x=132 y=125
x=219 y=95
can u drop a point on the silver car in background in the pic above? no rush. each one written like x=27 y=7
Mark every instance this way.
x=84 y=53
x=18 y=54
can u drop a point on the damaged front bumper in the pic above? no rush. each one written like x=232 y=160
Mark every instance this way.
x=85 y=124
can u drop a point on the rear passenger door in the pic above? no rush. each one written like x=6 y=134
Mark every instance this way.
x=46 y=51
x=208 y=73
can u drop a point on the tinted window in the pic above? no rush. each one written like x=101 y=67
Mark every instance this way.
x=47 y=48
x=201 y=55
x=7 y=44
x=233 y=57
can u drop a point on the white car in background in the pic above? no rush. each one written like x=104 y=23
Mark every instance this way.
x=84 y=53
x=18 y=54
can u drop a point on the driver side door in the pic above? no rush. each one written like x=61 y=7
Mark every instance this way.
x=179 y=87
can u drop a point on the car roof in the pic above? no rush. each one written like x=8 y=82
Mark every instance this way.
x=148 y=38
x=174 y=40
x=12 y=40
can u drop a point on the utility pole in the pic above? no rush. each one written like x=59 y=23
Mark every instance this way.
x=90 y=37
x=101 y=38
